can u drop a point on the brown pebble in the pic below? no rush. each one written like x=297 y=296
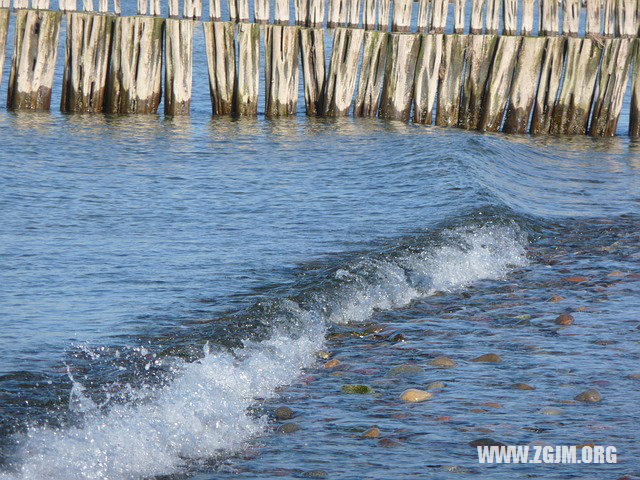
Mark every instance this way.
x=491 y=405
x=288 y=428
x=373 y=432
x=564 y=319
x=283 y=413
x=478 y=410
x=635 y=376
x=442 y=362
x=413 y=395
x=387 y=442
x=443 y=419
x=580 y=309
x=523 y=386
x=488 y=358
x=332 y=363
x=589 y=396
x=324 y=355
x=616 y=273
x=574 y=279
x=485 y=442
x=555 y=299
x=398 y=338
x=373 y=329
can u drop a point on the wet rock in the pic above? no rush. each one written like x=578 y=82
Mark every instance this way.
x=485 y=442
x=478 y=410
x=398 y=338
x=288 y=428
x=589 y=396
x=574 y=279
x=443 y=419
x=356 y=389
x=442 y=362
x=491 y=405
x=565 y=319
x=315 y=474
x=555 y=299
x=373 y=432
x=526 y=316
x=373 y=329
x=333 y=363
x=414 y=395
x=408 y=369
x=488 y=358
x=522 y=386
x=551 y=411
x=388 y=443
x=283 y=413
x=435 y=385
x=635 y=376
x=580 y=309
x=616 y=273
x=324 y=355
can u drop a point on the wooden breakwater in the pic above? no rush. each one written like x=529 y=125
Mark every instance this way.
x=539 y=66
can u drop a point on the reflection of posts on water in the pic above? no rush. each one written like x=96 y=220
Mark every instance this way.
x=556 y=67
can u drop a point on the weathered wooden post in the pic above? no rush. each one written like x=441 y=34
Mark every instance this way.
x=353 y=18
x=281 y=12
x=142 y=7
x=614 y=74
x=300 y=11
x=239 y=10
x=192 y=9
x=422 y=22
x=550 y=77
x=475 y=26
x=634 y=111
x=369 y=14
x=509 y=17
x=571 y=113
x=134 y=84
x=315 y=14
x=221 y=60
x=548 y=17
x=492 y=21
x=260 y=13
x=87 y=5
x=448 y=104
x=371 y=74
x=527 y=17
x=103 y=7
x=427 y=74
x=337 y=16
x=439 y=10
x=499 y=84
x=609 y=22
x=399 y=75
x=174 y=9
x=571 y=17
x=178 y=39
x=401 y=15
x=525 y=84
x=248 y=84
x=384 y=10
x=480 y=53
x=116 y=7
x=5 y=16
x=626 y=15
x=215 y=13
x=35 y=50
x=593 y=20
x=281 y=70
x=343 y=71
x=87 y=62
x=458 y=16
x=312 y=52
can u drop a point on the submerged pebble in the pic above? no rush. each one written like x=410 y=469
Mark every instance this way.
x=589 y=396
x=435 y=385
x=333 y=363
x=356 y=389
x=288 y=428
x=442 y=362
x=414 y=395
x=564 y=319
x=523 y=386
x=408 y=369
x=283 y=413
x=488 y=358
x=373 y=432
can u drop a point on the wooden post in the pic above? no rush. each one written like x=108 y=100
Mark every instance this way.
x=192 y=9
x=427 y=74
x=458 y=16
x=174 y=10
x=609 y=25
x=371 y=74
x=499 y=83
x=448 y=103
x=571 y=113
x=527 y=17
x=281 y=70
x=343 y=71
x=134 y=83
x=477 y=7
x=509 y=17
x=178 y=66
x=337 y=13
x=35 y=50
x=5 y=17
x=593 y=20
x=315 y=15
x=87 y=62
x=116 y=7
x=221 y=60
x=422 y=22
x=634 y=111
x=281 y=12
x=353 y=18
x=87 y=5
x=480 y=53
x=383 y=14
x=626 y=14
x=401 y=15
x=614 y=74
x=493 y=16
x=399 y=75
x=142 y=7
x=571 y=17
x=550 y=77
x=439 y=10
x=215 y=14
x=261 y=11
x=312 y=51
x=525 y=84
x=300 y=8
x=369 y=14
x=248 y=84
x=103 y=6
x=548 y=17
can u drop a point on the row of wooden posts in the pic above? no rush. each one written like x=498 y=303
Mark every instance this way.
x=518 y=84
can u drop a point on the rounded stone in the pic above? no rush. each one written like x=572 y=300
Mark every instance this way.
x=373 y=432
x=283 y=413
x=589 y=396
x=488 y=358
x=436 y=385
x=288 y=428
x=551 y=411
x=442 y=362
x=408 y=369
x=356 y=389
x=574 y=279
x=565 y=319
x=523 y=386
x=555 y=299
x=485 y=442
x=414 y=395
x=333 y=363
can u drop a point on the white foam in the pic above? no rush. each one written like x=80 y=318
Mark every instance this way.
x=204 y=409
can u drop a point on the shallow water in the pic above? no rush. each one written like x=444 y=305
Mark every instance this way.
x=166 y=283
